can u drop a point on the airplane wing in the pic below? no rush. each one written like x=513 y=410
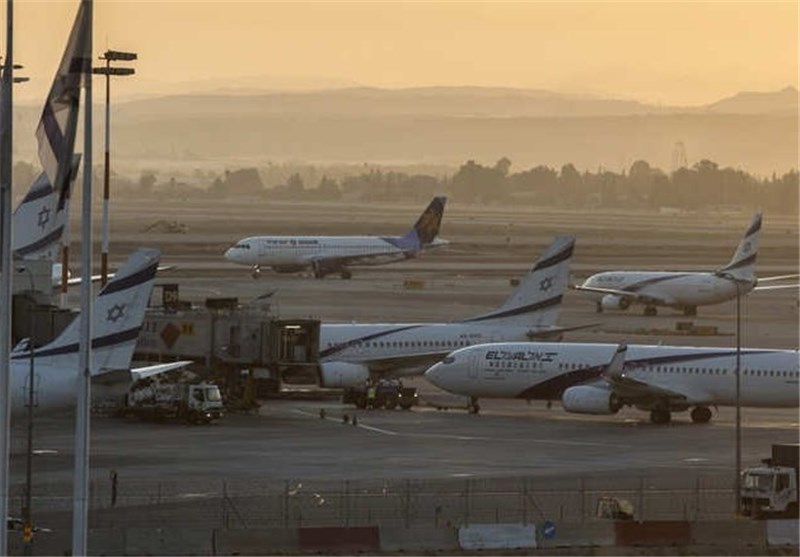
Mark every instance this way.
x=630 y=388
x=150 y=371
x=632 y=296
x=97 y=278
x=379 y=365
x=776 y=286
x=534 y=334
x=777 y=277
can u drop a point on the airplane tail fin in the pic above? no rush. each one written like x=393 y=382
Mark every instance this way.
x=39 y=221
x=537 y=299
x=425 y=230
x=742 y=266
x=117 y=316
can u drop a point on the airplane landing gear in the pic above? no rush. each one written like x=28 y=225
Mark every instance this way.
x=660 y=415
x=690 y=311
x=701 y=415
x=345 y=274
x=473 y=405
x=650 y=311
x=599 y=308
x=255 y=272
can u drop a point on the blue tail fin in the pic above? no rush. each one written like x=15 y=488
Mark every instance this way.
x=426 y=228
x=40 y=219
x=742 y=265
x=117 y=316
x=537 y=299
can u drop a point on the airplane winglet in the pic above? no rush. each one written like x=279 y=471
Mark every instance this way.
x=615 y=366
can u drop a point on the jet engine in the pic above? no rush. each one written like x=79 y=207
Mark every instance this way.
x=342 y=374
x=612 y=301
x=585 y=399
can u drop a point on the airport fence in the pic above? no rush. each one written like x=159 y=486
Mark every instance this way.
x=253 y=504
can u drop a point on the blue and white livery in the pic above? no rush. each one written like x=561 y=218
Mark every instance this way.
x=682 y=291
x=117 y=316
x=598 y=378
x=352 y=353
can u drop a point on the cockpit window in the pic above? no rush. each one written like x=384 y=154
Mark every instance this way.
x=449 y=360
x=241 y=246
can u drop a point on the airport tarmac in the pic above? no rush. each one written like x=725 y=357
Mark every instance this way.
x=288 y=440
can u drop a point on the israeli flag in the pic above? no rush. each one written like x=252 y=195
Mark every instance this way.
x=58 y=124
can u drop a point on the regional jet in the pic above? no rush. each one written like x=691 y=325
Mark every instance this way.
x=326 y=255
x=602 y=378
x=350 y=354
x=682 y=291
x=117 y=316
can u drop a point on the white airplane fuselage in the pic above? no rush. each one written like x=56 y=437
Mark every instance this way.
x=769 y=378
x=290 y=252
x=54 y=387
x=672 y=289
x=419 y=344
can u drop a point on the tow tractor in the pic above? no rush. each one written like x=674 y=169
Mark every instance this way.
x=388 y=393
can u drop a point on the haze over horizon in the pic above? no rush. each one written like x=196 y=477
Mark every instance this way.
x=674 y=54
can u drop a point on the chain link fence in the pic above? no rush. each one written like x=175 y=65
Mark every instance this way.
x=240 y=503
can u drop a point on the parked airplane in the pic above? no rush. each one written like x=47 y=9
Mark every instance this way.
x=683 y=291
x=602 y=378
x=117 y=316
x=326 y=255
x=352 y=353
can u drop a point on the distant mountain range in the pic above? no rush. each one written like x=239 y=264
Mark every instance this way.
x=483 y=102
x=756 y=132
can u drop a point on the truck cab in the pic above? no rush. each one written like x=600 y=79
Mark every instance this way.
x=205 y=401
x=771 y=489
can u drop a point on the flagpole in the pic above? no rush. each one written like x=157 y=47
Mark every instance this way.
x=5 y=282
x=80 y=502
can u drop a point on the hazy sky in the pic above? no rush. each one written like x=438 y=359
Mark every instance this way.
x=668 y=52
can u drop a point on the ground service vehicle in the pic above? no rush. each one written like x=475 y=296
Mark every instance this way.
x=191 y=402
x=771 y=490
x=387 y=394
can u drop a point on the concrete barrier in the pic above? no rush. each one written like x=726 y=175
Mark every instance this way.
x=167 y=541
x=339 y=540
x=265 y=541
x=739 y=533
x=782 y=532
x=419 y=539
x=497 y=536
x=44 y=543
x=654 y=533
x=575 y=534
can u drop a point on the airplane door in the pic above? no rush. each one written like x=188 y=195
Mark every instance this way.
x=474 y=363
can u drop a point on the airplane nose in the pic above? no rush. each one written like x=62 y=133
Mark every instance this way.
x=229 y=254
x=435 y=374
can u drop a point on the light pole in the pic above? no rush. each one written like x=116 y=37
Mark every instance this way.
x=738 y=484
x=27 y=528
x=108 y=71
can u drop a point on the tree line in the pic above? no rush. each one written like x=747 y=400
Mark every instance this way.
x=702 y=186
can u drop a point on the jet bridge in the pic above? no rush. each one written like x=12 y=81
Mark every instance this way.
x=231 y=340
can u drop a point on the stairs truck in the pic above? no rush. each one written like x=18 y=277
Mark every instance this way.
x=197 y=403
x=770 y=490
